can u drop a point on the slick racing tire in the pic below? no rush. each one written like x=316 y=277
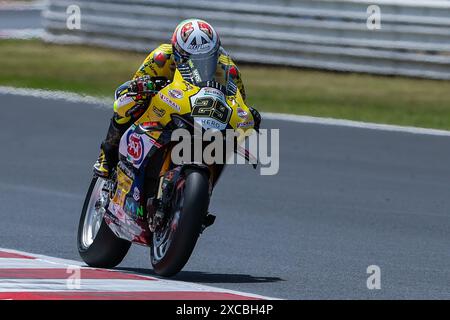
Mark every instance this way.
x=172 y=247
x=98 y=246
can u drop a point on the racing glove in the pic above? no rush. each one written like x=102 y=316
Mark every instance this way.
x=143 y=89
x=139 y=86
x=142 y=85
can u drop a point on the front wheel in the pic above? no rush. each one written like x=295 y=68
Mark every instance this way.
x=173 y=244
x=98 y=246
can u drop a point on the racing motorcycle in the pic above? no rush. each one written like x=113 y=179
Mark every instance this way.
x=151 y=200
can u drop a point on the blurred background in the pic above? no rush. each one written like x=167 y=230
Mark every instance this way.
x=382 y=61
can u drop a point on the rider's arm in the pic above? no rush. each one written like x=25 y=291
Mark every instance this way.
x=236 y=76
x=234 y=73
x=157 y=63
x=120 y=105
x=133 y=96
x=240 y=84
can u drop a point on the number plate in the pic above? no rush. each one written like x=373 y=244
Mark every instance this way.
x=210 y=110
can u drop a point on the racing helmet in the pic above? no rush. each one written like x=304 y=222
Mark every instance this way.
x=194 y=37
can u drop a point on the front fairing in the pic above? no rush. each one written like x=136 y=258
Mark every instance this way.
x=180 y=98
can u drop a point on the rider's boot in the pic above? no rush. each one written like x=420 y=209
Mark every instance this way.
x=109 y=149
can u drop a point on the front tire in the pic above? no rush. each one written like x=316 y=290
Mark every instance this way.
x=190 y=211
x=98 y=246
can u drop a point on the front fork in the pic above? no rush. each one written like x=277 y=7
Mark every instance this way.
x=158 y=206
x=105 y=195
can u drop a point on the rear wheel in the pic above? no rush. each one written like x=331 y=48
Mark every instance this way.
x=173 y=244
x=98 y=246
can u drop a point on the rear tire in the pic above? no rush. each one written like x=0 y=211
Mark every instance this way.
x=191 y=219
x=106 y=249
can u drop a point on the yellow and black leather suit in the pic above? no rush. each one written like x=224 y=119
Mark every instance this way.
x=160 y=63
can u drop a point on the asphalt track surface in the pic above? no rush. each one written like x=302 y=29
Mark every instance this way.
x=344 y=199
x=20 y=19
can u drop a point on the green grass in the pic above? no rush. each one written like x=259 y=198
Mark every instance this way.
x=96 y=71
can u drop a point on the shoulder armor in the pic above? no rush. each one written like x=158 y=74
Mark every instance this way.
x=162 y=54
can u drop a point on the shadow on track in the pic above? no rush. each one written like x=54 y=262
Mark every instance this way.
x=206 y=277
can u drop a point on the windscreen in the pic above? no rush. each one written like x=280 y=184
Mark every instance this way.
x=203 y=67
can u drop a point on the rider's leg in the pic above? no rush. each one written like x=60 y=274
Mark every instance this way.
x=109 y=150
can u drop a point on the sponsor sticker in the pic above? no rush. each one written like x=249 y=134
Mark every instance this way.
x=167 y=100
x=126 y=171
x=136 y=194
x=242 y=113
x=130 y=206
x=214 y=93
x=245 y=124
x=135 y=148
x=124 y=100
x=209 y=123
x=133 y=208
x=176 y=94
x=196 y=75
x=159 y=112
x=189 y=87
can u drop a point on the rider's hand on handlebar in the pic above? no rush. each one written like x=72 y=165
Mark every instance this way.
x=141 y=84
x=148 y=85
x=142 y=89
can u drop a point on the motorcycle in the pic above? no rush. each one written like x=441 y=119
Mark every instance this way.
x=149 y=199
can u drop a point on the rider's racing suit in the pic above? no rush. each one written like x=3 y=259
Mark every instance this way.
x=159 y=63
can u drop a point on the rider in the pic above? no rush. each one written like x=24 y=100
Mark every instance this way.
x=191 y=37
